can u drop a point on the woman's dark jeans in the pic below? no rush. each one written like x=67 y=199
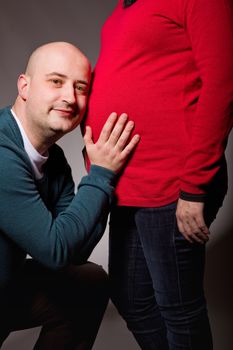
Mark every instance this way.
x=156 y=279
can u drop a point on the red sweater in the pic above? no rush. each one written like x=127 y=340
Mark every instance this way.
x=169 y=65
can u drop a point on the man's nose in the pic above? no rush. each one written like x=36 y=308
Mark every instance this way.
x=69 y=94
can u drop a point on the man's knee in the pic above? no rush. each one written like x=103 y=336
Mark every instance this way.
x=93 y=276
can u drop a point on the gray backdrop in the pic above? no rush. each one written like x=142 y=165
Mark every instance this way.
x=26 y=24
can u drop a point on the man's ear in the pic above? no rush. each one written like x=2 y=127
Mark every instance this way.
x=23 y=86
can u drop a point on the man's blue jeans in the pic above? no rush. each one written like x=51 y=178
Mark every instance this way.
x=157 y=279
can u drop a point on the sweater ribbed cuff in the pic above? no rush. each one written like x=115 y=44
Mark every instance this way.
x=108 y=175
x=191 y=197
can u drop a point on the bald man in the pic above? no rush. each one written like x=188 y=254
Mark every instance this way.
x=40 y=214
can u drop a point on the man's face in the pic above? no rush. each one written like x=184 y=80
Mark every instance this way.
x=57 y=92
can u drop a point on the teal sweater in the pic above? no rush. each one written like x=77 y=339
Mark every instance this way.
x=44 y=218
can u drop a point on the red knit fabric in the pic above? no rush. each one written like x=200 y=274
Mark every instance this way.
x=169 y=65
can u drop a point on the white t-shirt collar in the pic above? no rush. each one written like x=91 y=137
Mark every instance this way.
x=35 y=157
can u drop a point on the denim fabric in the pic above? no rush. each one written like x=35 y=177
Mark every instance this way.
x=156 y=279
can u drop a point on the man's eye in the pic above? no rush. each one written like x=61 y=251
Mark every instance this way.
x=82 y=89
x=56 y=82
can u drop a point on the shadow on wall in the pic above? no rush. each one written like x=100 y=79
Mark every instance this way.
x=219 y=281
x=219 y=290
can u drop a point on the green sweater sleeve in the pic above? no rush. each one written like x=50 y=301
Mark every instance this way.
x=27 y=221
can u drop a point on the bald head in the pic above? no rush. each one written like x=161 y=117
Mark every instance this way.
x=53 y=92
x=53 y=49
